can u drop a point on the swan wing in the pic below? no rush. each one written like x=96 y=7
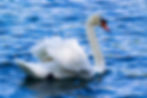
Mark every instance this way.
x=41 y=49
x=69 y=55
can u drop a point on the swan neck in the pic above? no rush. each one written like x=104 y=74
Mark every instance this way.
x=98 y=57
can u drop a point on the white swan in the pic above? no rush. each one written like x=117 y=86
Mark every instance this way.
x=64 y=58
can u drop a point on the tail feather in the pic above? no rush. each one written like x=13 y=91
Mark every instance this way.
x=32 y=69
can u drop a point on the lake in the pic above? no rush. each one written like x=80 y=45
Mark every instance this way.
x=24 y=22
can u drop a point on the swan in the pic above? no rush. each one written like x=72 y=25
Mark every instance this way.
x=65 y=58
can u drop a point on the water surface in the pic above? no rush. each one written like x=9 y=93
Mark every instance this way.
x=24 y=22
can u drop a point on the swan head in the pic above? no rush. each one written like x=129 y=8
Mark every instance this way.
x=97 y=20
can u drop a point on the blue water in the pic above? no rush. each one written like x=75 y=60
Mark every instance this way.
x=23 y=22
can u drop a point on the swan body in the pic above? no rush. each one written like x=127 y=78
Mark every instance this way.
x=65 y=58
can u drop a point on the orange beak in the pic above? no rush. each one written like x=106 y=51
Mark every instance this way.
x=104 y=25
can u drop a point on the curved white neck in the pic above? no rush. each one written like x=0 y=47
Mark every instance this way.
x=98 y=57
